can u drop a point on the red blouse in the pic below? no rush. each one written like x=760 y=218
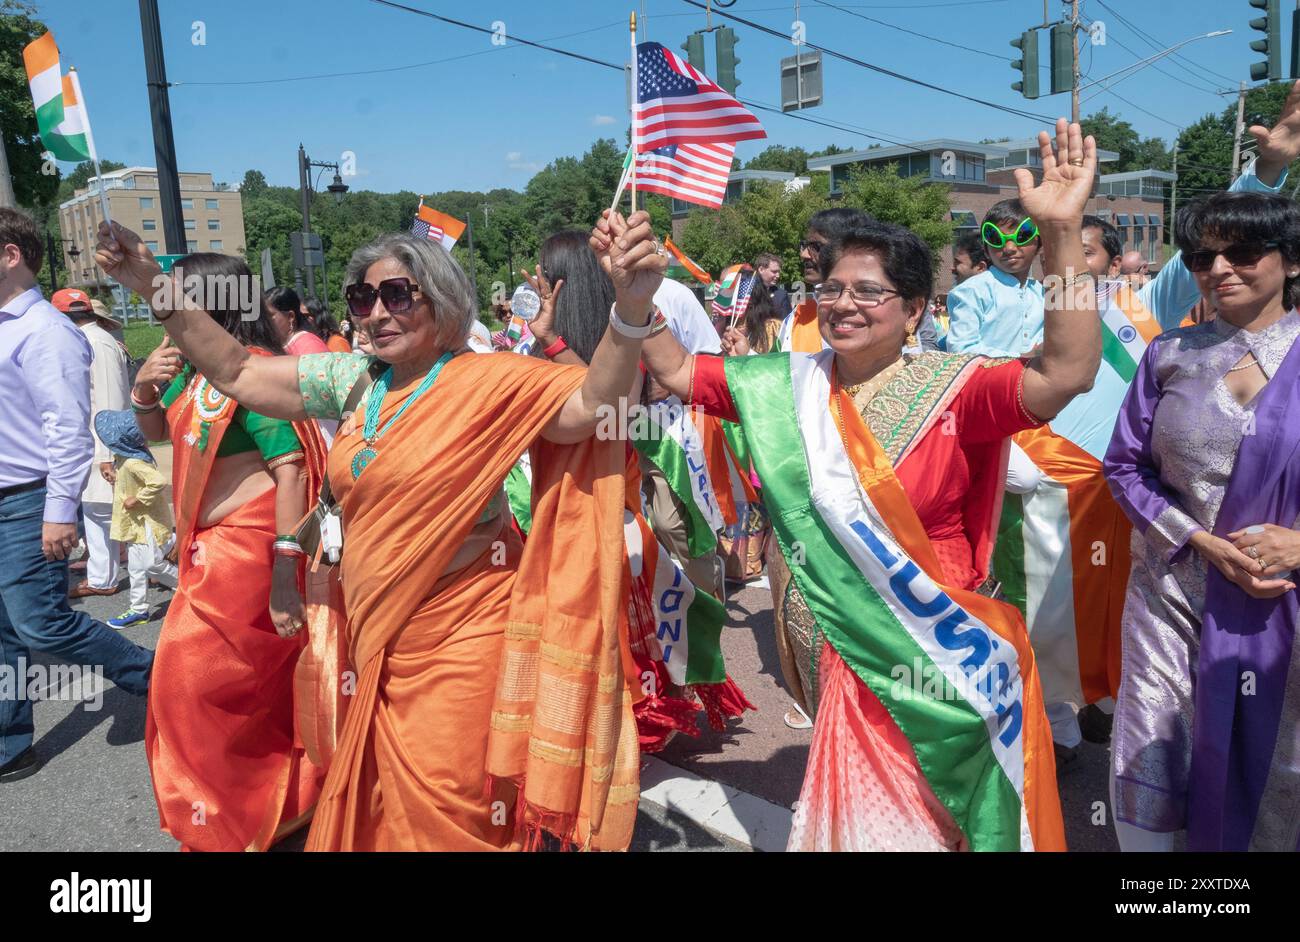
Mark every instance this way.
x=954 y=476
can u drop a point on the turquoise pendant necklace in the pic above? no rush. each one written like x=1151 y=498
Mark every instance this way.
x=375 y=399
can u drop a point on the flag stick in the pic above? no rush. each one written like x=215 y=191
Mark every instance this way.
x=622 y=180
x=636 y=135
x=90 y=143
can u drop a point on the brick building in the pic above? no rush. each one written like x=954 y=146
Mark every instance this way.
x=213 y=215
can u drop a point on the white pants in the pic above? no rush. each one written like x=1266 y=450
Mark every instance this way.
x=101 y=552
x=144 y=560
x=1023 y=475
x=1065 y=724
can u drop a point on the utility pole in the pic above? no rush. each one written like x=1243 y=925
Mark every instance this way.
x=1173 y=194
x=7 y=198
x=473 y=267
x=304 y=189
x=1074 y=40
x=1236 y=137
x=164 y=145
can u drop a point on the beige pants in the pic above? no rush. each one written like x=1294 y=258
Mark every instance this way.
x=668 y=521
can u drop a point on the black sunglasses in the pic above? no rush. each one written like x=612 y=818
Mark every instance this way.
x=1242 y=255
x=396 y=293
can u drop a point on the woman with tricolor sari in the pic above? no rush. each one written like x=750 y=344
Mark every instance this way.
x=882 y=473
x=1205 y=461
x=229 y=769
x=489 y=702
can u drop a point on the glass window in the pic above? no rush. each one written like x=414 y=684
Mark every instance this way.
x=1121 y=220
x=187 y=204
x=212 y=204
x=191 y=246
x=153 y=247
x=214 y=225
x=964 y=218
x=191 y=224
x=146 y=202
x=149 y=225
x=216 y=245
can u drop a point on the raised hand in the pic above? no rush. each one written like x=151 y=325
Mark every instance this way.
x=162 y=366
x=632 y=257
x=123 y=256
x=543 y=325
x=1279 y=146
x=1068 y=172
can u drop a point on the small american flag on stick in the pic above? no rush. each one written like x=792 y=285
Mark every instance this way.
x=693 y=173
x=675 y=104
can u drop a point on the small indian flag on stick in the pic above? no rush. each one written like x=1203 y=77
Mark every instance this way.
x=436 y=227
x=59 y=111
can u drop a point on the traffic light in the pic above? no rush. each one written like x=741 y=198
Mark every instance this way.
x=1027 y=64
x=1270 y=24
x=1062 y=58
x=725 y=49
x=694 y=49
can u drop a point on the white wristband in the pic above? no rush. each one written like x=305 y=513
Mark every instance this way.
x=627 y=330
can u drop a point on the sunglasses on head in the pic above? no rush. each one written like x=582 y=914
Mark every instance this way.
x=1241 y=255
x=1025 y=233
x=396 y=293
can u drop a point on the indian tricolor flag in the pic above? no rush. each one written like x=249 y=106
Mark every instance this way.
x=1126 y=329
x=57 y=99
x=436 y=227
x=687 y=638
x=1062 y=552
x=685 y=263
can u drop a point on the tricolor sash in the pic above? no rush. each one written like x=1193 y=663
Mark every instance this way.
x=673 y=443
x=863 y=563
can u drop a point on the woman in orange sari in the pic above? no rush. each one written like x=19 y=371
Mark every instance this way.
x=490 y=703
x=229 y=771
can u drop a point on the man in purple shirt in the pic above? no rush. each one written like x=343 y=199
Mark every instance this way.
x=45 y=455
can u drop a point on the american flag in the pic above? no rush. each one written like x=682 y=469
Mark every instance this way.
x=422 y=230
x=435 y=226
x=677 y=105
x=694 y=173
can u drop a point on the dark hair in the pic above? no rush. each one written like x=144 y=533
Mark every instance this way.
x=904 y=256
x=834 y=223
x=582 y=307
x=19 y=229
x=323 y=324
x=1005 y=213
x=972 y=244
x=760 y=311
x=225 y=279
x=1244 y=217
x=764 y=259
x=287 y=301
x=1111 y=243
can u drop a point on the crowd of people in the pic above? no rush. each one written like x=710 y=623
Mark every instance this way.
x=425 y=600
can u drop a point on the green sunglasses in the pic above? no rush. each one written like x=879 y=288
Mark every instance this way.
x=1025 y=233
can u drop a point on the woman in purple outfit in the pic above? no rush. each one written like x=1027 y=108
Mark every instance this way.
x=1205 y=461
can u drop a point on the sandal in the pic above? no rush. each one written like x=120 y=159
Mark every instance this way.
x=801 y=719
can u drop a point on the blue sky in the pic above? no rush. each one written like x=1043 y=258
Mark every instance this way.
x=495 y=115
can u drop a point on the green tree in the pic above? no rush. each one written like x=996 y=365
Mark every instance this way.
x=254 y=184
x=921 y=206
x=767 y=218
x=778 y=157
x=35 y=181
x=1135 y=153
x=1205 y=148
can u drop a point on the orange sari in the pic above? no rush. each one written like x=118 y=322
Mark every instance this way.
x=229 y=770
x=490 y=702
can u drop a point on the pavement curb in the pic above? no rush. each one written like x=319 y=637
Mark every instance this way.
x=719 y=809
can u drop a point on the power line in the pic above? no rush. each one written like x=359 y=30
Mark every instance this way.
x=870 y=66
x=397 y=68
x=1154 y=43
x=910 y=32
x=1180 y=80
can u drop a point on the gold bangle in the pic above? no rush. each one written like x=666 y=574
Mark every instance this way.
x=1074 y=279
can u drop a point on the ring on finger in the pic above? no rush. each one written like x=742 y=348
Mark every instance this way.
x=1253 y=552
x=1076 y=161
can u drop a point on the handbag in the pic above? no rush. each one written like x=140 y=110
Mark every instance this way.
x=326 y=517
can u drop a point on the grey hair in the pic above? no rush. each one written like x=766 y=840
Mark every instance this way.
x=440 y=279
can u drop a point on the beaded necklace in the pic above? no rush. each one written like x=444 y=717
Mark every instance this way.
x=375 y=399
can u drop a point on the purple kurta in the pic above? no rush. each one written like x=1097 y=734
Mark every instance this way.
x=1207 y=723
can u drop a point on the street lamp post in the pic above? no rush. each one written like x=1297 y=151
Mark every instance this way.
x=338 y=188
